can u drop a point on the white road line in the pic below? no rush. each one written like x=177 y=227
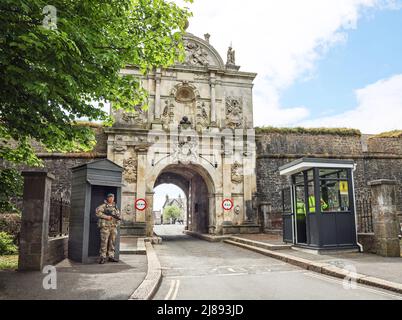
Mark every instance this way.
x=359 y=286
x=176 y=290
x=172 y=285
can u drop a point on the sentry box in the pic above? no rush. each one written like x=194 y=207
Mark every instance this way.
x=91 y=183
x=319 y=207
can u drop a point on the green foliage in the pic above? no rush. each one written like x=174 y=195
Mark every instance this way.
x=50 y=76
x=7 y=245
x=388 y=134
x=9 y=262
x=312 y=131
x=172 y=212
x=11 y=224
x=11 y=186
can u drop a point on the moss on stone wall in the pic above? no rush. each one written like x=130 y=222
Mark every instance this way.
x=388 y=134
x=311 y=131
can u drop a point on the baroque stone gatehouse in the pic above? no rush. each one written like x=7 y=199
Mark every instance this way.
x=197 y=134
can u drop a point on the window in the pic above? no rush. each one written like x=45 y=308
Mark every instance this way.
x=334 y=190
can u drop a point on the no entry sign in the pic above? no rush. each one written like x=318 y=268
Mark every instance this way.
x=227 y=204
x=140 y=204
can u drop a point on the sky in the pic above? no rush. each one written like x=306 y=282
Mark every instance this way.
x=320 y=63
x=165 y=189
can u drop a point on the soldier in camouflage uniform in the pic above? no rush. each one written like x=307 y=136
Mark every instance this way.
x=108 y=228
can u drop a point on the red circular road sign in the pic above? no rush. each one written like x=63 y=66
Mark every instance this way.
x=227 y=204
x=141 y=204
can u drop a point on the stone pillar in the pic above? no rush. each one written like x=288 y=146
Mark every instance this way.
x=141 y=181
x=158 y=76
x=385 y=218
x=213 y=98
x=35 y=220
x=149 y=217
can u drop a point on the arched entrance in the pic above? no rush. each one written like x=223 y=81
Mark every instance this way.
x=197 y=186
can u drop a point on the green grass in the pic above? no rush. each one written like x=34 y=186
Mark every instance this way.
x=312 y=131
x=9 y=262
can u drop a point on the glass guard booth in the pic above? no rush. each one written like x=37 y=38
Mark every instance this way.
x=319 y=207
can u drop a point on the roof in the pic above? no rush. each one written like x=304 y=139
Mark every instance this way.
x=102 y=164
x=308 y=163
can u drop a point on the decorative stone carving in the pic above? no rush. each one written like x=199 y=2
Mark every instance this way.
x=196 y=55
x=231 y=56
x=185 y=123
x=234 y=112
x=203 y=120
x=134 y=118
x=231 y=59
x=130 y=170
x=237 y=172
x=186 y=151
x=166 y=113
x=119 y=146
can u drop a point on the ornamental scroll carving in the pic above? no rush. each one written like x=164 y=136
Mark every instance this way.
x=130 y=170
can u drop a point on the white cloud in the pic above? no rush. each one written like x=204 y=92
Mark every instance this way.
x=379 y=109
x=281 y=40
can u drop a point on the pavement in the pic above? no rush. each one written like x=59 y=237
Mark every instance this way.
x=201 y=270
x=75 y=281
x=386 y=268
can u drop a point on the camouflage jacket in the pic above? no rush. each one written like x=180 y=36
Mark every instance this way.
x=102 y=213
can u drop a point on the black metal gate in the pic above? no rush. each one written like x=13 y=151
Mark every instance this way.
x=364 y=215
x=287 y=215
x=59 y=217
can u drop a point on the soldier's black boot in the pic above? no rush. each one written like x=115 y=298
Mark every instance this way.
x=102 y=260
x=111 y=259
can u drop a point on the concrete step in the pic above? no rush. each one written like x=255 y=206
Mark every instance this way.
x=136 y=247
x=259 y=244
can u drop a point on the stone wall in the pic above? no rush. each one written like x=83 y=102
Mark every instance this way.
x=57 y=250
x=376 y=158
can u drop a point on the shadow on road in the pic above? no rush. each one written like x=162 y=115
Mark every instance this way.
x=172 y=232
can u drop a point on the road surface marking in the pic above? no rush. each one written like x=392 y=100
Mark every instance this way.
x=176 y=290
x=359 y=286
x=172 y=285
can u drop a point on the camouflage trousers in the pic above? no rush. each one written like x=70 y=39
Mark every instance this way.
x=108 y=238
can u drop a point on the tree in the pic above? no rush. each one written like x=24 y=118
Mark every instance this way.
x=56 y=60
x=171 y=212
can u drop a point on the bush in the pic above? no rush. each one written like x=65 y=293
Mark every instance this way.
x=7 y=246
x=11 y=224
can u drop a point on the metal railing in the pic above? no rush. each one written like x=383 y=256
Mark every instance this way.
x=364 y=216
x=59 y=217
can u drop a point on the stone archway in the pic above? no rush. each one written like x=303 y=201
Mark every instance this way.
x=198 y=188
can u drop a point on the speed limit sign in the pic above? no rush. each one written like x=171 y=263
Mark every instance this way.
x=140 y=204
x=227 y=204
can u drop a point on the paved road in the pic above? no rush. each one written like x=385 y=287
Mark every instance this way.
x=200 y=270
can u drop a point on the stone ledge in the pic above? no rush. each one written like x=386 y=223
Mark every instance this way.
x=260 y=244
x=207 y=237
x=150 y=285
x=382 y=182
